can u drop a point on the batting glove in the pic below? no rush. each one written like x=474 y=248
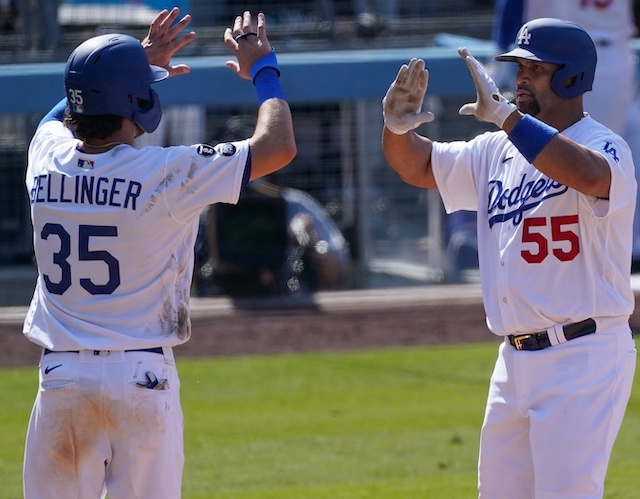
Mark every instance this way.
x=490 y=106
x=402 y=104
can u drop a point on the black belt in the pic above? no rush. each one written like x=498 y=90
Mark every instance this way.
x=99 y=352
x=538 y=341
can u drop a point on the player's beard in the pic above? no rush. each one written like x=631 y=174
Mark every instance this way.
x=531 y=107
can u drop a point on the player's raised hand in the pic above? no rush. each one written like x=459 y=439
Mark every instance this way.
x=402 y=104
x=490 y=106
x=247 y=43
x=162 y=41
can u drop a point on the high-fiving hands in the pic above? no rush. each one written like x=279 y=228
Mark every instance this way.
x=490 y=106
x=162 y=42
x=248 y=42
x=402 y=105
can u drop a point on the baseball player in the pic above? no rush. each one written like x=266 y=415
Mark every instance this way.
x=611 y=25
x=555 y=192
x=114 y=230
x=614 y=100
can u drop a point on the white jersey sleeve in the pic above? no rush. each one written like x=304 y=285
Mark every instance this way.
x=548 y=254
x=457 y=182
x=114 y=238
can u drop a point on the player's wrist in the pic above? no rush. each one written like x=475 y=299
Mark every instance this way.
x=395 y=129
x=266 y=61
x=268 y=86
x=502 y=111
x=266 y=78
x=530 y=136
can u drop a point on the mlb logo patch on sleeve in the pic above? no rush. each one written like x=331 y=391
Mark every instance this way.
x=85 y=164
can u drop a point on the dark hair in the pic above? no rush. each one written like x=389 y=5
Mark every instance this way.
x=92 y=127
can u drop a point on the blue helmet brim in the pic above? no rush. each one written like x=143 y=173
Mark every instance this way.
x=158 y=73
x=516 y=53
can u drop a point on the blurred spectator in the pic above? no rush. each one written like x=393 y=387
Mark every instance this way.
x=40 y=24
x=8 y=16
x=318 y=254
x=276 y=241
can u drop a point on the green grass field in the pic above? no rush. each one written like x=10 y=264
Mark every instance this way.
x=398 y=423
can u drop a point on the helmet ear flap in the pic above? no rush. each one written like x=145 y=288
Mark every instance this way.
x=581 y=80
x=559 y=84
x=148 y=115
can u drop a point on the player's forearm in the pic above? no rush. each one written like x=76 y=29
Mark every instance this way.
x=409 y=155
x=273 y=144
x=575 y=166
x=558 y=157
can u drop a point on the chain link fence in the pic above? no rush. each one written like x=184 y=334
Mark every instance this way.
x=395 y=234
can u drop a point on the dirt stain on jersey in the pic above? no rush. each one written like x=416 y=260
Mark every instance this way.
x=175 y=319
x=187 y=183
x=150 y=204
x=158 y=191
x=184 y=322
x=193 y=168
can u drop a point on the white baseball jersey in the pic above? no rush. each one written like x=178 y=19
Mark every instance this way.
x=548 y=254
x=114 y=236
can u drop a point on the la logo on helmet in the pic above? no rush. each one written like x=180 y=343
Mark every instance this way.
x=524 y=38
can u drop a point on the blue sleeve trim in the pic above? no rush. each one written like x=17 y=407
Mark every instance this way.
x=56 y=113
x=246 y=176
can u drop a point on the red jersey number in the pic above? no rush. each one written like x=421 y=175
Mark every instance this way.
x=598 y=4
x=565 y=242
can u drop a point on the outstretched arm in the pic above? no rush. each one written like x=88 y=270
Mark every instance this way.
x=408 y=153
x=273 y=142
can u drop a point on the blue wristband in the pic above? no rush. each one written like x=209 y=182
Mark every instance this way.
x=266 y=61
x=530 y=136
x=268 y=85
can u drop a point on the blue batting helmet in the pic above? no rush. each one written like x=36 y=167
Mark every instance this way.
x=558 y=42
x=111 y=74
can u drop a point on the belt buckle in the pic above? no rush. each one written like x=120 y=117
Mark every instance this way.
x=517 y=340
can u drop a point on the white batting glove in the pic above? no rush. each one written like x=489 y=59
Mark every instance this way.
x=490 y=106
x=402 y=104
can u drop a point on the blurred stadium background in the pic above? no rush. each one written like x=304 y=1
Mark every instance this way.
x=338 y=59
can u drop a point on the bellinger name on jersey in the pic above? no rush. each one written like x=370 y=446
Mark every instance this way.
x=85 y=189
